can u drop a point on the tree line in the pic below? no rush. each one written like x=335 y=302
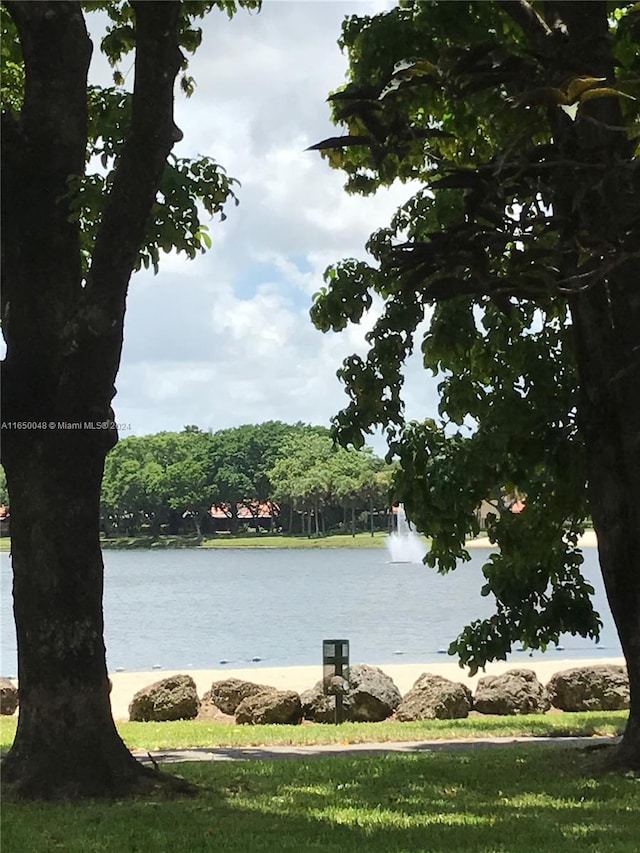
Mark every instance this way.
x=273 y=475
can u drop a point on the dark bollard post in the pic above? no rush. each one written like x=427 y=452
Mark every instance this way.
x=335 y=665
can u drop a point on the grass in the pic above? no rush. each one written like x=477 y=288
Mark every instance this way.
x=524 y=800
x=250 y=540
x=193 y=733
x=333 y=540
x=245 y=540
x=242 y=540
x=197 y=733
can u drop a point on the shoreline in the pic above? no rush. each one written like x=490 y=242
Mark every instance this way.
x=587 y=540
x=301 y=678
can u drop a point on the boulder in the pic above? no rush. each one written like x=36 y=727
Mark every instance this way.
x=369 y=695
x=435 y=698
x=602 y=687
x=517 y=691
x=173 y=698
x=320 y=707
x=372 y=694
x=208 y=711
x=270 y=706
x=8 y=697
x=228 y=694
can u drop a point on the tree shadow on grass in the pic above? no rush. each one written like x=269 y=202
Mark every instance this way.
x=305 y=752
x=529 y=800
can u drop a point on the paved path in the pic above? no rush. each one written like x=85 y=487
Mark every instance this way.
x=240 y=753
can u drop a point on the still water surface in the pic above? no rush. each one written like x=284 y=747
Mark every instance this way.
x=195 y=608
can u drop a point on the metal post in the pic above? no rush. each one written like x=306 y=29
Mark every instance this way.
x=335 y=663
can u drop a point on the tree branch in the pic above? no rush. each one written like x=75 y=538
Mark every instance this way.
x=531 y=23
x=95 y=335
x=150 y=138
x=56 y=50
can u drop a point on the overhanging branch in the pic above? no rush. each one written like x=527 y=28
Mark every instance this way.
x=94 y=337
x=533 y=26
x=151 y=137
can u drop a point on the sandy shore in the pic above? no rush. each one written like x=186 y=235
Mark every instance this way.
x=300 y=678
x=587 y=540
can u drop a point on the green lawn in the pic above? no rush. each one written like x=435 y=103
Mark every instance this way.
x=196 y=733
x=523 y=800
x=250 y=540
x=247 y=540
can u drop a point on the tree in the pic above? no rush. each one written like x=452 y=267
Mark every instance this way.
x=239 y=461
x=520 y=249
x=300 y=476
x=123 y=498
x=355 y=483
x=186 y=482
x=73 y=231
x=314 y=475
x=157 y=480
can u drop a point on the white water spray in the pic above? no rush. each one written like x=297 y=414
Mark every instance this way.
x=404 y=544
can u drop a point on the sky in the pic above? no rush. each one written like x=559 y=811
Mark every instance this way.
x=226 y=339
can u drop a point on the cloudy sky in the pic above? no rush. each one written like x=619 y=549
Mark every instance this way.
x=226 y=339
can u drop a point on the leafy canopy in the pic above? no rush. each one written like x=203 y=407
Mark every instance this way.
x=452 y=97
x=192 y=189
x=154 y=478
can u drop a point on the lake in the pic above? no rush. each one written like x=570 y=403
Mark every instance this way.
x=182 y=609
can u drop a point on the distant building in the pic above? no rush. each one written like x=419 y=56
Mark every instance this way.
x=514 y=504
x=248 y=513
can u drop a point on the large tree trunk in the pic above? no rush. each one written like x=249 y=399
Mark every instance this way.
x=606 y=320
x=607 y=325
x=64 y=339
x=66 y=743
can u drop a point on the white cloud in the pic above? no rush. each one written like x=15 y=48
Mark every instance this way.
x=226 y=339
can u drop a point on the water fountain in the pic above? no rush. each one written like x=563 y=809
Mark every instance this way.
x=404 y=544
